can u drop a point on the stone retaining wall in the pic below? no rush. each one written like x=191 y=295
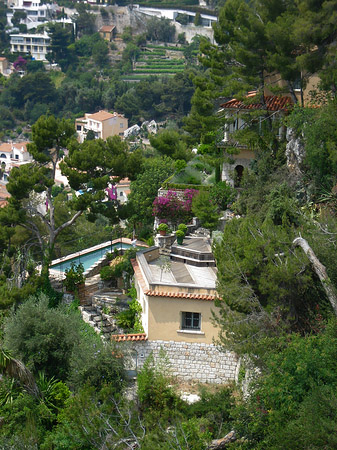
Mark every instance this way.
x=189 y=361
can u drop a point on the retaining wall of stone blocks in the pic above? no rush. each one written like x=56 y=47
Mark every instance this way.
x=189 y=361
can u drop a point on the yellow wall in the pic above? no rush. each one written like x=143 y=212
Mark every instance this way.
x=274 y=80
x=164 y=319
x=245 y=153
x=112 y=127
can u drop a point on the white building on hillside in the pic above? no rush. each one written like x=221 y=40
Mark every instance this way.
x=103 y=124
x=35 y=10
x=13 y=154
x=35 y=44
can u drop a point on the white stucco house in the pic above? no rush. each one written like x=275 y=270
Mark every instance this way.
x=13 y=154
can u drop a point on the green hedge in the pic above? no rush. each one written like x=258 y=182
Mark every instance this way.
x=171 y=62
x=154 y=52
x=167 y=185
x=176 y=70
x=159 y=67
x=175 y=49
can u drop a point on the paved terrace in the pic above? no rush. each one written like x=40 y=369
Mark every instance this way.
x=178 y=272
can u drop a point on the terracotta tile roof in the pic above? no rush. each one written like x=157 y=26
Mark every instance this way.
x=272 y=103
x=124 y=182
x=107 y=28
x=3 y=203
x=2 y=58
x=129 y=337
x=103 y=115
x=180 y=295
x=8 y=147
x=3 y=192
x=139 y=274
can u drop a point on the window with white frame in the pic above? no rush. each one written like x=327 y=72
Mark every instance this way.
x=190 y=321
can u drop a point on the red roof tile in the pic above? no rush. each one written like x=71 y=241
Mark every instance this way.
x=180 y=295
x=139 y=274
x=272 y=103
x=107 y=28
x=129 y=337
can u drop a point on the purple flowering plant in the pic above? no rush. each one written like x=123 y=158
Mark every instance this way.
x=174 y=207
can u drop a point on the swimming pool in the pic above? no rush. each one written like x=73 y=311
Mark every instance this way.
x=88 y=258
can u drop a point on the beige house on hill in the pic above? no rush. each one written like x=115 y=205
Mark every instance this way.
x=107 y=32
x=177 y=293
x=103 y=124
x=4 y=66
x=273 y=106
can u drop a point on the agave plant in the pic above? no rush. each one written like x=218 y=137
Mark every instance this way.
x=47 y=388
x=9 y=390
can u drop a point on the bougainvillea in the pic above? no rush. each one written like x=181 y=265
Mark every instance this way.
x=174 y=207
x=20 y=63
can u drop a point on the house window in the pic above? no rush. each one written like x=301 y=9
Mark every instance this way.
x=3 y=155
x=121 y=125
x=78 y=127
x=16 y=156
x=190 y=321
x=121 y=194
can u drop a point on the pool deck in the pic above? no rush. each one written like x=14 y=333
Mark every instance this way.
x=92 y=249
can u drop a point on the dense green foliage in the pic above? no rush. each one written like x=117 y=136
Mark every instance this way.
x=62 y=386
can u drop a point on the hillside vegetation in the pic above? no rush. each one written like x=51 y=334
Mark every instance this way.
x=62 y=387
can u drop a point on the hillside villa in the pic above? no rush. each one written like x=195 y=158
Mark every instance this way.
x=177 y=293
x=103 y=124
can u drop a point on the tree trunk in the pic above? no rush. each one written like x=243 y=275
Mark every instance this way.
x=320 y=271
x=219 y=444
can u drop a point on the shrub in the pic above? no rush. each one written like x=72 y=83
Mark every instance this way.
x=180 y=233
x=43 y=338
x=74 y=277
x=205 y=210
x=163 y=227
x=130 y=319
x=96 y=364
x=183 y=228
x=155 y=395
x=222 y=193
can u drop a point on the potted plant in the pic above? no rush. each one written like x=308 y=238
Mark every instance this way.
x=163 y=229
x=183 y=228
x=180 y=236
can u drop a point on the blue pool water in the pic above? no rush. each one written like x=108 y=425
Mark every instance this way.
x=88 y=259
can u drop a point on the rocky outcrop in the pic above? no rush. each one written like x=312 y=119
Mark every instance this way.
x=295 y=153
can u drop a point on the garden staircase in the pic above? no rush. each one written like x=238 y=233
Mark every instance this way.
x=101 y=313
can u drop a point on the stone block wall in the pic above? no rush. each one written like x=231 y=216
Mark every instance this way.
x=189 y=361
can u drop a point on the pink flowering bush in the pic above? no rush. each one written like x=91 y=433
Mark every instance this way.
x=20 y=63
x=174 y=208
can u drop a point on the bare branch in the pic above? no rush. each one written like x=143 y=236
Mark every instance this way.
x=320 y=270
x=68 y=223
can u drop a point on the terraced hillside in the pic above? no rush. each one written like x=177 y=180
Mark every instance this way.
x=158 y=60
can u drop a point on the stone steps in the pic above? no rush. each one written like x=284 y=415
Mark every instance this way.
x=114 y=302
